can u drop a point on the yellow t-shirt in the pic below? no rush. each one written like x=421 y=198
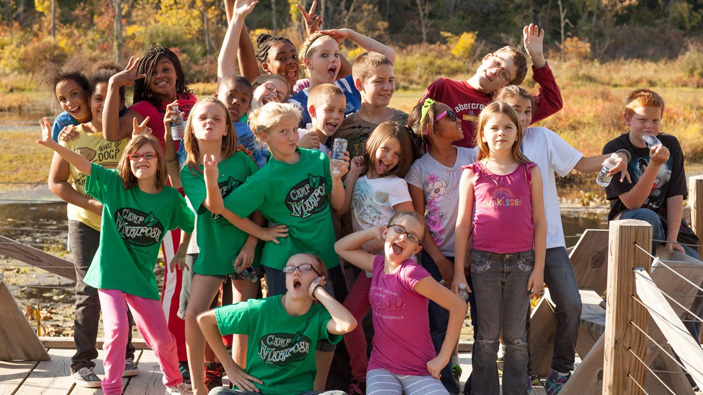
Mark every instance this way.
x=96 y=149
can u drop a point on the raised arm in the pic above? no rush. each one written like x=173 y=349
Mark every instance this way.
x=463 y=227
x=635 y=197
x=213 y=199
x=367 y=43
x=82 y=164
x=349 y=247
x=58 y=184
x=549 y=100
x=337 y=196
x=173 y=170
x=343 y=320
x=115 y=127
x=227 y=59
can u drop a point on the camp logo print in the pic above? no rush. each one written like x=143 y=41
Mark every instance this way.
x=226 y=187
x=138 y=228
x=281 y=349
x=308 y=197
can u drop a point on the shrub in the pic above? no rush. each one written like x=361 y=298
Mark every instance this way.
x=418 y=65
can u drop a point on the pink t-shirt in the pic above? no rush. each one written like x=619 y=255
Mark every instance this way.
x=402 y=342
x=186 y=101
x=502 y=210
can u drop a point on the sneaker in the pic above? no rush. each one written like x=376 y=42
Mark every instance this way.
x=555 y=382
x=501 y=352
x=130 y=368
x=85 y=377
x=456 y=374
x=185 y=371
x=213 y=375
x=535 y=380
x=180 y=389
x=357 y=387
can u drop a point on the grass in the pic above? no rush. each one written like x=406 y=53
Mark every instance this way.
x=23 y=159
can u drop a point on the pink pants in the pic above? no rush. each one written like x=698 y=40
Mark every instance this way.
x=152 y=325
x=357 y=302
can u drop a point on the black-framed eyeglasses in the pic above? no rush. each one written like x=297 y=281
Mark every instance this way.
x=449 y=113
x=272 y=88
x=135 y=156
x=305 y=267
x=399 y=229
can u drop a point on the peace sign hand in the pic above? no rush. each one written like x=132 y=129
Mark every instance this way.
x=141 y=128
x=312 y=21
x=127 y=76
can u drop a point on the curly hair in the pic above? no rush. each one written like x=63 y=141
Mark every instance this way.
x=264 y=43
x=147 y=65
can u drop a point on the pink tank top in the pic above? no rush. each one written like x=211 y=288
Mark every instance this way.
x=502 y=210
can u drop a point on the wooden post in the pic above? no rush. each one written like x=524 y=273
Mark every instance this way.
x=621 y=336
x=695 y=200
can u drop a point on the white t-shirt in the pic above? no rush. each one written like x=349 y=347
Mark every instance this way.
x=373 y=200
x=441 y=189
x=553 y=155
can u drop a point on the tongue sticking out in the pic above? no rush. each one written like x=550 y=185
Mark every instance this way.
x=397 y=249
x=382 y=167
x=332 y=73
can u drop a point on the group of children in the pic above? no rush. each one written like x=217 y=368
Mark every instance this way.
x=459 y=194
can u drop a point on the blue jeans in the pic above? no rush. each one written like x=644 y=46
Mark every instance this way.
x=439 y=317
x=658 y=230
x=500 y=287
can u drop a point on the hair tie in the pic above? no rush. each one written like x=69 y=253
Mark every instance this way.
x=313 y=40
x=425 y=109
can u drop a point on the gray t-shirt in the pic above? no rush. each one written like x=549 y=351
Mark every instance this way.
x=440 y=185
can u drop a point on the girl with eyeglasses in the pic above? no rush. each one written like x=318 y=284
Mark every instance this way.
x=501 y=213
x=433 y=181
x=403 y=359
x=213 y=170
x=138 y=209
x=283 y=332
x=375 y=191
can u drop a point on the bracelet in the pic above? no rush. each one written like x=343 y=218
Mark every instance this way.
x=315 y=289
x=626 y=152
x=171 y=160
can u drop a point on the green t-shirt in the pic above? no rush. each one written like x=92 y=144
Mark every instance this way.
x=280 y=348
x=133 y=225
x=218 y=240
x=295 y=195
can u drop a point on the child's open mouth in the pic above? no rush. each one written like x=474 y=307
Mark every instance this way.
x=382 y=167
x=297 y=284
x=292 y=73
x=332 y=72
x=397 y=249
x=331 y=127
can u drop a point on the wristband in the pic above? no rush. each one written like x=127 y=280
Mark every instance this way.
x=315 y=289
x=626 y=152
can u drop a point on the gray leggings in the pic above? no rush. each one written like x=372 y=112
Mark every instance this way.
x=383 y=382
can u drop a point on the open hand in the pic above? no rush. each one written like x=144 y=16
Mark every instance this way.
x=338 y=35
x=273 y=233
x=533 y=39
x=178 y=261
x=242 y=8
x=242 y=379
x=69 y=133
x=46 y=139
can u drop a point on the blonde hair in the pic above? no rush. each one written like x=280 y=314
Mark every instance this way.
x=308 y=50
x=229 y=141
x=128 y=178
x=265 y=117
x=642 y=98
x=364 y=66
x=492 y=110
x=323 y=90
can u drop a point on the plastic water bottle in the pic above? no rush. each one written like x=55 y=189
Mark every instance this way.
x=463 y=293
x=246 y=274
x=603 y=179
x=339 y=148
x=178 y=125
x=650 y=140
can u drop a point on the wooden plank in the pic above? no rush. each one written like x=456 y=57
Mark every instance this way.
x=543 y=324
x=35 y=257
x=669 y=282
x=688 y=351
x=587 y=379
x=68 y=343
x=695 y=200
x=588 y=258
x=51 y=377
x=592 y=322
x=150 y=379
x=621 y=337
x=12 y=374
x=19 y=342
x=658 y=361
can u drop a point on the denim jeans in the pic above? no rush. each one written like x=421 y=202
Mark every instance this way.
x=658 y=231
x=500 y=286
x=439 y=318
x=84 y=243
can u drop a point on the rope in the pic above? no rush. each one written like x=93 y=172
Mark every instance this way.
x=695 y=316
x=650 y=370
x=636 y=383
x=683 y=244
x=657 y=260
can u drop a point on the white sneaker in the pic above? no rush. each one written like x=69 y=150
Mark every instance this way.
x=85 y=377
x=180 y=389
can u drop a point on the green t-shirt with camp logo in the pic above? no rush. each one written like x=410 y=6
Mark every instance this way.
x=280 y=347
x=133 y=225
x=218 y=240
x=295 y=195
